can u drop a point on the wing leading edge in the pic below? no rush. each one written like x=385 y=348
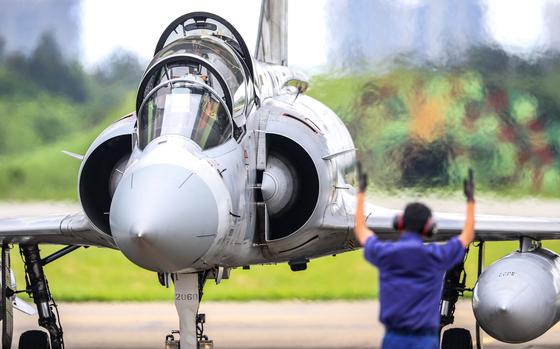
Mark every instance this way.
x=59 y=229
x=488 y=227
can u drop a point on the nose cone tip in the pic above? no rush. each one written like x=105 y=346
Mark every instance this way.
x=140 y=235
x=164 y=217
x=504 y=308
x=137 y=233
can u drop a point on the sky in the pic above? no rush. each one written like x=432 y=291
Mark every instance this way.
x=136 y=27
x=517 y=25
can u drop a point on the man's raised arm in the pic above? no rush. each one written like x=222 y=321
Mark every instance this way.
x=467 y=235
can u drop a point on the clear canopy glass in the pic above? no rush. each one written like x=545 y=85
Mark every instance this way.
x=184 y=108
x=223 y=58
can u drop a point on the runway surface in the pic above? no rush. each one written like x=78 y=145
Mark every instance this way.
x=262 y=325
x=452 y=203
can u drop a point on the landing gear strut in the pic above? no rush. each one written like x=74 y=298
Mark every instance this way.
x=454 y=286
x=480 y=269
x=38 y=288
x=188 y=294
x=6 y=298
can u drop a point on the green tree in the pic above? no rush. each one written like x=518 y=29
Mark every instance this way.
x=121 y=67
x=48 y=68
x=2 y=48
x=488 y=60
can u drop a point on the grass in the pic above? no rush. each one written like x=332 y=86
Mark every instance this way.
x=46 y=173
x=105 y=275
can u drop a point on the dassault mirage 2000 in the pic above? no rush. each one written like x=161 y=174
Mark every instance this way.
x=227 y=163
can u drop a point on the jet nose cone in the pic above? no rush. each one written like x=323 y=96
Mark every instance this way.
x=164 y=217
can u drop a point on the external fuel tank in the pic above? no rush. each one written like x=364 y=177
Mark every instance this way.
x=517 y=298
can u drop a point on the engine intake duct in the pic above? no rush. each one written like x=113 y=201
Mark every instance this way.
x=290 y=186
x=100 y=176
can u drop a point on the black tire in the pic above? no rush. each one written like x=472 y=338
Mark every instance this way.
x=34 y=340
x=456 y=338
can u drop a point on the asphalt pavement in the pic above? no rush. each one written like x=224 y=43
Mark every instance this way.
x=452 y=203
x=252 y=325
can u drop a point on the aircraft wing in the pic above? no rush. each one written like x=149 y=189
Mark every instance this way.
x=57 y=229
x=272 y=35
x=488 y=227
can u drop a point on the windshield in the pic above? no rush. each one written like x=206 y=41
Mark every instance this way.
x=183 y=108
x=221 y=57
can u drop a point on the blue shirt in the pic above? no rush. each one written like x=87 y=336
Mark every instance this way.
x=411 y=279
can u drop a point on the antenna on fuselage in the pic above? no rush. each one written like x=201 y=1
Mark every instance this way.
x=272 y=35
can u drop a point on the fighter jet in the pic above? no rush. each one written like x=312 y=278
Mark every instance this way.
x=226 y=163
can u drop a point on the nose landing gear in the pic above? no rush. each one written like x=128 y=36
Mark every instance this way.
x=188 y=294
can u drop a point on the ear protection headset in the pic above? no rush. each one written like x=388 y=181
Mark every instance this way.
x=429 y=229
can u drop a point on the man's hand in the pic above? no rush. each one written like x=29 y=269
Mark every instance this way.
x=468 y=186
x=362 y=178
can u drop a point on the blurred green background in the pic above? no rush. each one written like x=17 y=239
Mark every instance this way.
x=420 y=128
x=49 y=103
x=417 y=126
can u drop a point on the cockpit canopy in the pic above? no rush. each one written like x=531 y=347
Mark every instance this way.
x=221 y=57
x=206 y=24
x=186 y=108
x=199 y=79
x=182 y=66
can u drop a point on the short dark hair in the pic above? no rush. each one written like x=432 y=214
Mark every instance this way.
x=415 y=217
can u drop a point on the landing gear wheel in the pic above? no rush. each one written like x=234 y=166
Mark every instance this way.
x=34 y=340
x=456 y=338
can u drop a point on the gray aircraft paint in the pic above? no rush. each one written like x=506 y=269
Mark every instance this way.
x=173 y=207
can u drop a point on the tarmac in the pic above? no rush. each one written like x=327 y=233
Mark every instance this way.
x=452 y=203
x=252 y=325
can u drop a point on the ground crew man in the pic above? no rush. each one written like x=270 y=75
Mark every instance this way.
x=410 y=272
